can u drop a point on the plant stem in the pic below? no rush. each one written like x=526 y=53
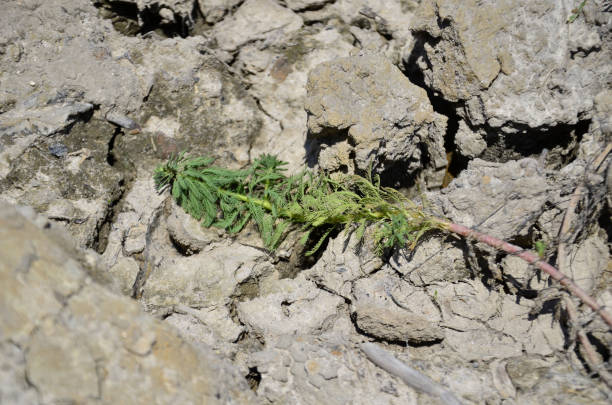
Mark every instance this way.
x=531 y=258
x=492 y=241
x=257 y=201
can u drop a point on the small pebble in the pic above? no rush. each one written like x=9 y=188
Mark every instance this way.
x=58 y=150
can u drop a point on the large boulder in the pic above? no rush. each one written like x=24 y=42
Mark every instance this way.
x=65 y=338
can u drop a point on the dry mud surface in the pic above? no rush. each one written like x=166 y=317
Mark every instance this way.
x=493 y=112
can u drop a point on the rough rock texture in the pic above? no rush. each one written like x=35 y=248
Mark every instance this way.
x=514 y=65
x=291 y=307
x=504 y=192
x=95 y=94
x=369 y=114
x=214 y=10
x=278 y=75
x=396 y=326
x=64 y=124
x=76 y=341
x=303 y=368
x=379 y=27
x=254 y=20
x=435 y=260
x=343 y=262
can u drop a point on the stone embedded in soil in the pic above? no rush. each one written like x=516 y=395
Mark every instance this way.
x=201 y=281
x=502 y=60
x=214 y=10
x=481 y=324
x=255 y=20
x=277 y=76
x=367 y=106
x=396 y=325
x=587 y=262
x=501 y=199
x=188 y=233
x=291 y=306
x=433 y=260
x=343 y=262
x=469 y=144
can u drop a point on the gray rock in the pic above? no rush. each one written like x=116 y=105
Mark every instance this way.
x=501 y=379
x=140 y=205
x=388 y=20
x=386 y=290
x=432 y=261
x=522 y=275
x=54 y=345
x=211 y=327
x=526 y=372
x=396 y=325
x=540 y=380
x=214 y=10
x=255 y=20
x=501 y=199
x=502 y=59
x=125 y=271
x=302 y=368
x=469 y=144
x=586 y=262
x=188 y=233
x=277 y=76
x=79 y=342
x=477 y=318
x=20 y=127
x=291 y=306
x=14 y=388
x=166 y=95
x=364 y=106
x=344 y=261
x=201 y=281
x=195 y=104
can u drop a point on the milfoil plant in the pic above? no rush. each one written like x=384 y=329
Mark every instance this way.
x=318 y=204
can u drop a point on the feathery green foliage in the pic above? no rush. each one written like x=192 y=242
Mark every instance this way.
x=229 y=199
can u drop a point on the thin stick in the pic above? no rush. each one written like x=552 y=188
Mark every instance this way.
x=602 y=156
x=407 y=374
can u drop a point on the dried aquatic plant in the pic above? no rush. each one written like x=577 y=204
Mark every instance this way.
x=229 y=199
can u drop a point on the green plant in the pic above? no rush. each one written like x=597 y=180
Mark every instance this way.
x=540 y=247
x=576 y=12
x=229 y=199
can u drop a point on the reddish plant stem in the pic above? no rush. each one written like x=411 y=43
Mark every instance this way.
x=530 y=258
